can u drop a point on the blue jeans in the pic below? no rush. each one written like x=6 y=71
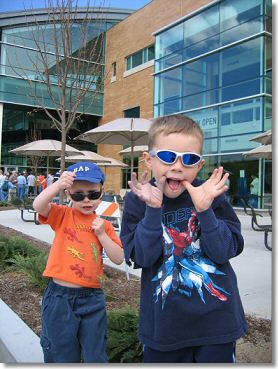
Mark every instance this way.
x=254 y=200
x=21 y=191
x=4 y=195
x=74 y=325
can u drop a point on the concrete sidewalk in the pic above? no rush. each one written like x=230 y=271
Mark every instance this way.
x=253 y=267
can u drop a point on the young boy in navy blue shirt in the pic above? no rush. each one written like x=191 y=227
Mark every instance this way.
x=182 y=232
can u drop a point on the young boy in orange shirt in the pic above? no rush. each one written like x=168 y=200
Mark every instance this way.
x=73 y=309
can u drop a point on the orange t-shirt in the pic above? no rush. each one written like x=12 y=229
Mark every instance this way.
x=76 y=253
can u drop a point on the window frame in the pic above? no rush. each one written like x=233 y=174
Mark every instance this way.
x=145 y=57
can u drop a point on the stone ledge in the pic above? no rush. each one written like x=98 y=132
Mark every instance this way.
x=18 y=343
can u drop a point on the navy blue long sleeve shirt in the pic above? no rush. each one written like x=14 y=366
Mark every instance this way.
x=189 y=292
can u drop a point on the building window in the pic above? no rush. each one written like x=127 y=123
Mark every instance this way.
x=132 y=113
x=114 y=72
x=114 y=69
x=140 y=57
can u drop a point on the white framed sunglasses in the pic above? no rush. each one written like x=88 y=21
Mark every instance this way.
x=169 y=157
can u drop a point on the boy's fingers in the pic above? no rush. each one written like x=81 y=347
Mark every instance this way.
x=133 y=187
x=213 y=173
x=222 y=182
x=134 y=178
x=219 y=174
x=144 y=177
x=187 y=185
x=222 y=190
x=160 y=184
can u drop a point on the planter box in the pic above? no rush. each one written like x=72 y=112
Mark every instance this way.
x=18 y=343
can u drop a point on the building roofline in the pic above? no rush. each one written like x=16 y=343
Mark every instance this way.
x=184 y=17
x=19 y=17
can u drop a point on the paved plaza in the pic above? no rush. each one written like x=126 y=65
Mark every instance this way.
x=253 y=267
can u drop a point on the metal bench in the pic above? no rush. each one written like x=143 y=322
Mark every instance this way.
x=255 y=225
x=28 y=207
x=266 y=228
x=266 y=232
x=245 y=206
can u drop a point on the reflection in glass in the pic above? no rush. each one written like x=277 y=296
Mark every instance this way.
x=239 y=118
x=235 y=12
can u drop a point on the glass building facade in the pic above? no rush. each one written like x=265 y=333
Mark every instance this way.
x=25 y=53
x=215 y=66
x=28 y=55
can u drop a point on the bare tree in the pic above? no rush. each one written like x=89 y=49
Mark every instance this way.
x=66 y=69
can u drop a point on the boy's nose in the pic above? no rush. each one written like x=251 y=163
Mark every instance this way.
x=178 y=165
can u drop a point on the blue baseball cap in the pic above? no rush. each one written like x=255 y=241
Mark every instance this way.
x=87 y=171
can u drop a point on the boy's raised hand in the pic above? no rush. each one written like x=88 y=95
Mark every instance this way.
x=98 y=226
x=151 y=195
x=66 y=180
x=203 y=196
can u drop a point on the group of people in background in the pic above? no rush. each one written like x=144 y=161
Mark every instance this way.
x=22 y=184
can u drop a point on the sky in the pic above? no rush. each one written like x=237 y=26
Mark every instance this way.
x=11 y=5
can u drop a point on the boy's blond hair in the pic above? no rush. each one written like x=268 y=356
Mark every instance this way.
x=174 y=124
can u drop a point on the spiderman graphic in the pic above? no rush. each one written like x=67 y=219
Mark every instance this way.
x=184 y=266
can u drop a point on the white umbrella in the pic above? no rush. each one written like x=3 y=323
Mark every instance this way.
x=263 y=152
x=264 y=138
x=44 y=148
x=137 y=150
x=86 y=156
x=123 y=131
x=113 y=163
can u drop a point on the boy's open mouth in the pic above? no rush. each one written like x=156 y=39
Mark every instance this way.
x=173 y=184
x=87 y=207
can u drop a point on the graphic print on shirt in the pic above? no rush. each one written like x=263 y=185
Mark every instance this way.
x=75 y=253
x=95 y=251
x=184 y=264
x=84 y=228
x=72 y=234
x=80 y=271
x=90 y=251
x=96 y=255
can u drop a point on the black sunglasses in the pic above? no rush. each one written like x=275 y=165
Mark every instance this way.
x=80 y=196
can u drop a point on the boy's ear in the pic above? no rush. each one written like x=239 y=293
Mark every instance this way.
x=147 y=159
x=201 y=164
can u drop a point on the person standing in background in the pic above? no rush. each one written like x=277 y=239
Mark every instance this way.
x=42 y=183
x=31 y=181
x=49 y=179
x=21 y=186
x=13 y=190
x=254 y=191
x=6 y=187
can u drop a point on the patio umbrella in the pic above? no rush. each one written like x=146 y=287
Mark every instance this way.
x=86 y=156
x=113 y=163
x=123 y=131
x=137 y=150
x=263 y=151
x=264 y=138
x=44 y=148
